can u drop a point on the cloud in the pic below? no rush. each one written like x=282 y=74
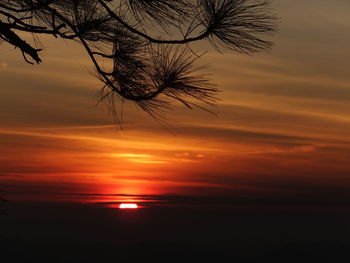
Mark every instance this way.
x=284 y=117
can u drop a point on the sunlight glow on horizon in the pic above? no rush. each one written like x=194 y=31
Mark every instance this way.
x=131 y=155
x=138 y=158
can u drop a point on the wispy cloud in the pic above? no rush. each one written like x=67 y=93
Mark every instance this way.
x=282 y=126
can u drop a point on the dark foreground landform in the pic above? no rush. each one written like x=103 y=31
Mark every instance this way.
x=51 y=232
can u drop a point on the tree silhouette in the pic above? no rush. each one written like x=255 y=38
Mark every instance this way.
x=141 y=48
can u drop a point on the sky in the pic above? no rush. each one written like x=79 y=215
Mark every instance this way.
x=280 y=131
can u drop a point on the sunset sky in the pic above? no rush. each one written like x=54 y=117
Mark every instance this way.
x=281 y=129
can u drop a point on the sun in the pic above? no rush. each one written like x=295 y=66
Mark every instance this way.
x=128 y=206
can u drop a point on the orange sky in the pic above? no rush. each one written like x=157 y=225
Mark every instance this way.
x=282 y=126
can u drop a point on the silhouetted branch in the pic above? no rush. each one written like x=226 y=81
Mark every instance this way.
x=12 y=38
x=139 y=66
x=234 y=24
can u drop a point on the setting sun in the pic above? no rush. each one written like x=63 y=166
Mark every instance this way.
x=128 y=206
